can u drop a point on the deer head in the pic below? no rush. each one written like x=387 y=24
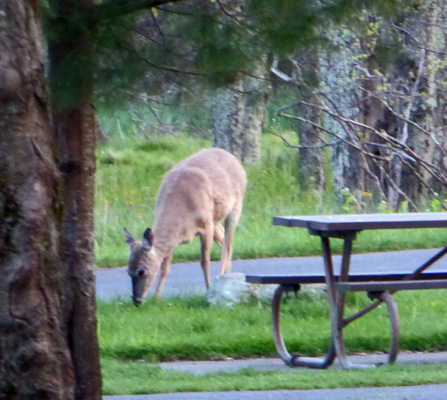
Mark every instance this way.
x=143 y=264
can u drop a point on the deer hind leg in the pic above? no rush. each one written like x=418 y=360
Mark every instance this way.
x=219 y=233
x=165 y=266
x=206 y=239
x=230 y=226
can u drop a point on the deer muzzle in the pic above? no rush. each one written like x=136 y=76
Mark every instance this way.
x=137 y=291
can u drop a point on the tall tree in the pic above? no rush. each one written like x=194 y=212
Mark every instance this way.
x=429 y=141
x=74 y=125
x=238 y=114
x=35 y=359
x=304 y=74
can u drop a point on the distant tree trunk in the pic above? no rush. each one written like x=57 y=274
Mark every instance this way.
x=238 y=115
x=35 y=361
x=227 y=119
x=374 y=114
x=311 y=156
x=257 y=89
x=347 y=165
x=430 y=116
x=75 y=129
x=311 y=168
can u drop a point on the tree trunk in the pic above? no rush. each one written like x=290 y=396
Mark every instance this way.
x=374 y=114
x=227 y=119
x=75 y=130
x=311 y=156
x=347 y=165
x=430 y=117
x=257 y=89
x=311 y=168
x=238 y=115
x=35 y=360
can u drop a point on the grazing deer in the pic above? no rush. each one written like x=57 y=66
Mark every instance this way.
x=194 y=197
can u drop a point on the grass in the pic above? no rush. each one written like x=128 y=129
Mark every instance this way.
x=131 y=339
x=129 y=172
x=131 y=378
x=178 y=329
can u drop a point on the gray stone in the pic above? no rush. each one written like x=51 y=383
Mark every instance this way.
x=230 y=289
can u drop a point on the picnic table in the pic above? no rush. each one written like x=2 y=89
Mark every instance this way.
x=380 y=287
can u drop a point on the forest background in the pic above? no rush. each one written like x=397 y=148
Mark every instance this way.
x=353 y=121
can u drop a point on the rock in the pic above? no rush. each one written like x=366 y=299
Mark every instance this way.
x=264 y=293
x=230 y=289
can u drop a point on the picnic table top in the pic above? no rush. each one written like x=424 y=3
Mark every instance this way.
x=358 y=222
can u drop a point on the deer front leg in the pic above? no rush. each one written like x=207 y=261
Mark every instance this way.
x=165 y=266
x=206 y=239
x=227 y=252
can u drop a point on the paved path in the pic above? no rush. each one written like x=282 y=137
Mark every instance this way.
x=188 y=278
x=427 y=392
x=276 y=364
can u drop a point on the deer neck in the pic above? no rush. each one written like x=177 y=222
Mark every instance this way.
x=164 y=243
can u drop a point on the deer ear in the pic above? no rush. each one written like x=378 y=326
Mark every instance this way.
x=128 y=236
x=148 y=239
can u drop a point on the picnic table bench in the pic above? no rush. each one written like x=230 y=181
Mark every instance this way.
x=380 y=287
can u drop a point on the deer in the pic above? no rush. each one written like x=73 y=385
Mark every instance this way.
x=194 y=198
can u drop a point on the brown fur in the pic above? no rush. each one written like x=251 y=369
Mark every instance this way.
x=194 y=197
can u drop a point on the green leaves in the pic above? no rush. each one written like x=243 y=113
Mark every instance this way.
x=112 y=47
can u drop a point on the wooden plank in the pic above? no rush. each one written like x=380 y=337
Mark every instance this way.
x=390 y=286
x=319 y=278
x=284 y=279
x=358 y=222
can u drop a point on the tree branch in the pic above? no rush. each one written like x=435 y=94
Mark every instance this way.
x=127 y=48
x=294 y=146
x=119 y=8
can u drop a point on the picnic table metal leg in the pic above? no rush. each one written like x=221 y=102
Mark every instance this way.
x=388 y=299
x=337 y=300
x=294 y=360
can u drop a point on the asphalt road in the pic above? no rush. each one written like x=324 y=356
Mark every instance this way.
x=427 y=392
x=187 y=278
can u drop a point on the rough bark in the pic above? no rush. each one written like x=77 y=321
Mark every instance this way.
x=257 y=89
x=311 y=160
x=76 y=135
x=429 y=111
x=374 y=113
x=335 y=68
x=35 y=361
x=227 y=119
x=238 y=114
x=311 y=155
x=75 y=132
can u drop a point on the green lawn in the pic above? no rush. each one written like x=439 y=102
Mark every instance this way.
x=132 y=338
x=139 y=378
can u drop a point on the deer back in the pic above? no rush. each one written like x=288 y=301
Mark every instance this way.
x=204 y=186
